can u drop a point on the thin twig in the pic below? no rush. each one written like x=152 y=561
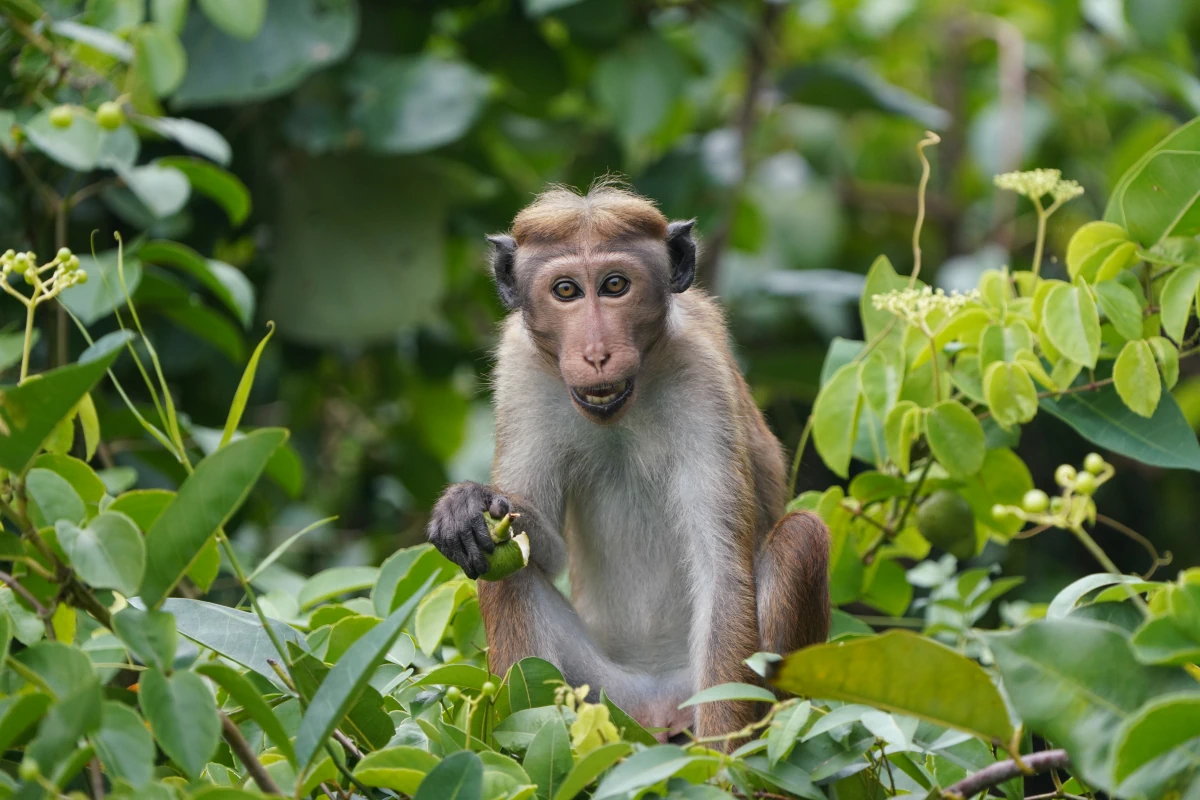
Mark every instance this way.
x=930 y=139
x=1156 y=560
x=44 y=614
x=997 y=774
x=241 y=748
x=97 y=779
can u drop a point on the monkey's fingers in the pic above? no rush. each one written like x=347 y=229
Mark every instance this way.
x=476 y=559
x=499 y=506
x=480 y=535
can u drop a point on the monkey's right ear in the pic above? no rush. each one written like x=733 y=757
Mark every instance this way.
x=682 y=248
x=504 y=258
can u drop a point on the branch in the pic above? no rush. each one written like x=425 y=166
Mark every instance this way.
x=241 y=749
x=44 y=614
x=997 y=774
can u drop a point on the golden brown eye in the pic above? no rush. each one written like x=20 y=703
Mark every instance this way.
x=566 y=290
x=615 y=284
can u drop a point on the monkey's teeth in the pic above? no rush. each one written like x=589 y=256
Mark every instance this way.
x=614 y=392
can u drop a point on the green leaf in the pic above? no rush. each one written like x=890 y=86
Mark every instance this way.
x=1090 y=245
x=29 y=412
x=345 y=682
x=643 y=770
x=1010 y=394
x=1121 y=307
x=436 y=611
x=631 y=730
x=150 y=635
x=852 y=87
x=239 y=18
x=1135 y=375
x=19 y=713
x=1065 y=600
x=590 y=767
x=1166 y=356
x=76 y=147
x=195 y=136
x=171 y=14
x=1178 y=299
x=162 y=190
x=835 y=419
x=730 y=691
x=414 y=104
x=402 y=574
x=95 y=39
x=939 y=685
x=297 y=38
x=240 y=690
x=226 y=283
x=1075 y=681
x=286 y=544
x=1162 y=726
x=335 y=582
x=1160 y=641
x=531 y=683
x=125 y=747
x=108 y=552
x=786 y=727
x=83 y=479
x=236 y=635
x=1161 y=200
x=1069 y=318
x=638 y=84
x=102 y=294
x=205 y=502
x=225 y=188
x=548 y=759
x=1122 y=257
x=516 y=731
x=159 y=58
x=956 y=438
x=458 y=777
x=400 y=768
x=183 y=714
x=52 y=498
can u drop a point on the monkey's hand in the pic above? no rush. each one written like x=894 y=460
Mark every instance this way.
x=457 y=528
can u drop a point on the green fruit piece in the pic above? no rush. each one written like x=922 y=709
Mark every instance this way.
x=488 y=689
x=110 y=116
x=61 y=116
x=1035 y=501
x=1094 y=463
x=1085 y=483
x=507 y=558
x=1064 y=476
x=946 y=521
x=453 y=694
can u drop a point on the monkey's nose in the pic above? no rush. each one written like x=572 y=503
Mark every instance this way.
x=597 y=357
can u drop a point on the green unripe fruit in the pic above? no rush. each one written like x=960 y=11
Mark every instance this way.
x=511 y=553
x=61 y=116
x=1085 y=483
x=946 y=521
x=10 y=253
x=20 y=263
x=64 y=254
x=1035 y=501
x=1065 y=475
x=73 y=262
x=488 y=689
x=1000 y=511
x=29 y=770
x=81 y=277
x=1094 y=463
x=453 y=694
x=110 y=116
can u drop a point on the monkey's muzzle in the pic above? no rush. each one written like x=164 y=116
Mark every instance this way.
x=603 y=400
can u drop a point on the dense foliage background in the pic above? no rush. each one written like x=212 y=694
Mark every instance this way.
x=331 y=167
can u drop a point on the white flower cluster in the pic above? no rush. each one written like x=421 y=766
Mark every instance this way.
x=915 y=305
x=1036 y=183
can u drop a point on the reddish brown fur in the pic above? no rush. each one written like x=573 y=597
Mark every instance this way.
x=607 y=212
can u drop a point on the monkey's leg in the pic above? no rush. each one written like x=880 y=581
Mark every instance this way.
x=525 y=615
x=793 y=584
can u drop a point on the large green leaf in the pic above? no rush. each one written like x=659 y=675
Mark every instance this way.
x=205 y=502
x=1184 y=139
x=1167 y=727
x=643 y=770
x=52 y=498
x=29 y=412
x=149 y=635
x=19 y=713
x=1161 y=200
x=125 y=747
x=939 y=684
x=334 y=582
x=228 y=284
x=346 y=681
x=590 y=767
x=295 y=39
x=1075 y=681
x=1178 y=299
x=956 y=438
x=1070 y=319
x=183 y=714
x=532 y=683
x=730 y=691
x=239 y=18
x=102 y=294
x=548 y=759
x=108 y=552
x=458 y=777
x=1135 y=376
x=850 y=87
x=400 y=768
x=1164 y=440
x=835 y=419
x=222 y=186
x=236 y=635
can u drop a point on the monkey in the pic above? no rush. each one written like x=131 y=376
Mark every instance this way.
x=628 y=443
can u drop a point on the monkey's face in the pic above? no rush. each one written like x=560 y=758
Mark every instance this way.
x=597 y=313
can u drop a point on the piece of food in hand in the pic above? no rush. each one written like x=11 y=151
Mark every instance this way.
x=511 y=553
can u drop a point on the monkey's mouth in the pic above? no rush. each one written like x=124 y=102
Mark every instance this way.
x=603 y=400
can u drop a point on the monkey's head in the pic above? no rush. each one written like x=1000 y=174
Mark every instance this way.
x=592 y=276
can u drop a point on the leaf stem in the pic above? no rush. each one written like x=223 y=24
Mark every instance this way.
x=241 y=748
x=931 y=138
x=1098 y=553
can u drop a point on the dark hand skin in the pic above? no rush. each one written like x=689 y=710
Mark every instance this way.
x=457 y=529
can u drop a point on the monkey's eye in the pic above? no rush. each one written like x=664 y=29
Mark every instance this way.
x=566 y=290
x=615 y=285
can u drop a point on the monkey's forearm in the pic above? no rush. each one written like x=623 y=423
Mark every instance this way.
x=547 y=550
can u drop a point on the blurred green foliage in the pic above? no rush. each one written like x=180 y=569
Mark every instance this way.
x=380 y=141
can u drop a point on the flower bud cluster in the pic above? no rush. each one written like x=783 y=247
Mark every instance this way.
x=915 y=305
x=65 y=265
x=1037 y=183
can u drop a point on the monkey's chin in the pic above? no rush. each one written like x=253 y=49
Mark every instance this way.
x=604 y=401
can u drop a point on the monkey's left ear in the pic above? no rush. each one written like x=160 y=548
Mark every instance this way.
x=682 y=249
x=504 y=257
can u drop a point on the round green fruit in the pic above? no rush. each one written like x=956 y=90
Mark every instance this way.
x=453 y=694
x=1035 y=501
x=1085 y=483
x=946 y=521
x=110 y=116
x=1094 y=463
x=488 y=689
x=61 y=116
x=1064 y=476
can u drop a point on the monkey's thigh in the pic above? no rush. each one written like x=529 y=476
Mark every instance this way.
x=793 y=584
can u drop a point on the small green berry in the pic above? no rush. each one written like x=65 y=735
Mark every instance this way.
x=110 y=116
x=488 y=689
x=61 y=116
x=20 y=263
x=9 y=254
x=64 y=254
x=1085 y=483
x=1094 y=463
x=73 y=263
x=1065 y=475
x=1057 y=505
x=1000 y=511
x=1035 y=501
x=453 y=694
x=29 y=770
x=81 y=277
